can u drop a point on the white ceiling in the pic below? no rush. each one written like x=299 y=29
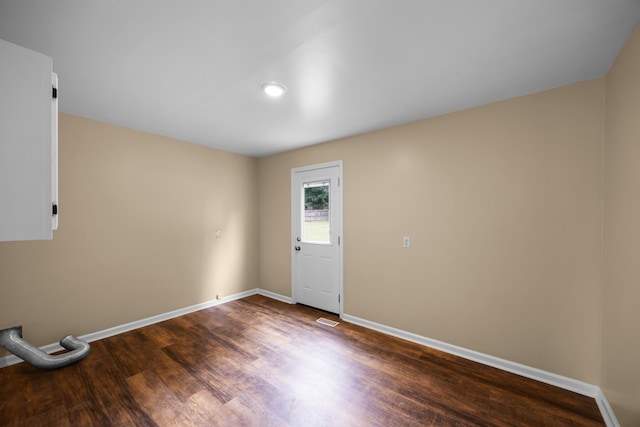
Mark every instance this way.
x=192 y=69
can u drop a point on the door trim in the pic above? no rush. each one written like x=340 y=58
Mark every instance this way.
x=292 y=239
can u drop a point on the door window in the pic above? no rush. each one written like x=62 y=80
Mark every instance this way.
x=316 y=223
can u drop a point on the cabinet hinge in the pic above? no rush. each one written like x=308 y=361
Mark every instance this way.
x=54 y=210
x=338 y=297
x=54 y=92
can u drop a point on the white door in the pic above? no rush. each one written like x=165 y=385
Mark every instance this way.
x=316 y=246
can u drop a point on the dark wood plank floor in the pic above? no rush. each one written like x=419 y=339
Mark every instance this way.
x=260 y=362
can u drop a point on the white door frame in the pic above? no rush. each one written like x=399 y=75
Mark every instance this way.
x=295 y=212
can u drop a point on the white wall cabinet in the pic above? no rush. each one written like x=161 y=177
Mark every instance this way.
x=28 y=144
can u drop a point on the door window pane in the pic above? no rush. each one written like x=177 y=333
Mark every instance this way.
x=316 y=226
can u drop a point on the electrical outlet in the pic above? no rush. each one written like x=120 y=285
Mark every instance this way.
x=218 y=234
x=406 y=242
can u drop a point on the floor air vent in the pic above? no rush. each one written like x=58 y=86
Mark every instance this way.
x=327 y=322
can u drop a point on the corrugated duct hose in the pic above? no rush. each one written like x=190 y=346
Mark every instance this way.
x=11 y=339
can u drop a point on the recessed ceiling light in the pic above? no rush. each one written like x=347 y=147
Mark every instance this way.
x=274 y=89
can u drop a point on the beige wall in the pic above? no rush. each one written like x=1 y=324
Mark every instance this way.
x=621 y=297
x=138 y=215
x=503 y=206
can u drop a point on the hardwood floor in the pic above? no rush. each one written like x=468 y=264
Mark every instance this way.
x=260 y=362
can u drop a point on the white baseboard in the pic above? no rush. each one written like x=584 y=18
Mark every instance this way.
x=560 y=381
x=606 y=411
x=275 y=296
x=105 y=333
x=505 y=365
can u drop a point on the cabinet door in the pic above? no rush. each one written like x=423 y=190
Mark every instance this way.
x=28 y=144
